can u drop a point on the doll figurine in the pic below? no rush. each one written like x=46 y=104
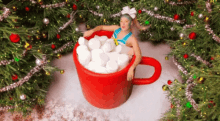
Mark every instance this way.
x=123 y=35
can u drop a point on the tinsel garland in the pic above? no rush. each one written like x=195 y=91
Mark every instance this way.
x=208 y=6
x=189 y=96
x=198 y=58
x=6 y=62
x=180 y=3
x=50 y=5
x=26 y=78
x=5 y=108
x=158 y=16
x=188 y=26
x=148 y=12
x=214 y=36
x=69 y=22
x=179 y=66
x=63 y=47
x=5 y=13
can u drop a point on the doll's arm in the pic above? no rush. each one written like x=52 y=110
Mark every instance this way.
x=137 y=52
x=101 y=27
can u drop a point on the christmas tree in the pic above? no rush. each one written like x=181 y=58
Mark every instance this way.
x=32 y=34
x=196 y=54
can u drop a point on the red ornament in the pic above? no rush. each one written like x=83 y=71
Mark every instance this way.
x=10 y=98
x=27 y=9
x=77 y=0
x=14 y=77
x=68 y=16
x=41 y=3
x=53 y=46
x=213 y=104
x=58 y=36
x=212 y=58
x=176 y=17
x=192 y=14
x=171 y=106
x=185 y=56
x=74 y=7
x=169 y=82
x=139 y=11
x=29 y=47
x=192 y=35
x=14 y=38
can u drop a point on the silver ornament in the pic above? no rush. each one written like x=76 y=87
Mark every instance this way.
x=155 y=8
x=181 y=34
x=132 y=0
x=172 y=28
x=23 y=97
x=97 y=7
x=77 y=29
x=38 y=61
x=200 y=16
x=46 y=21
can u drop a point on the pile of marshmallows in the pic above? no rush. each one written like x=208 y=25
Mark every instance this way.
x=101 y=55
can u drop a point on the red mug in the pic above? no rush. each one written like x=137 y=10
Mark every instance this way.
x=108 y=91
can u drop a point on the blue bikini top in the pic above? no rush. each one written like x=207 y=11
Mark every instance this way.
x=123 y=40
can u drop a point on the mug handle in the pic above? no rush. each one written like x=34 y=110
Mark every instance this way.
x=157 y=67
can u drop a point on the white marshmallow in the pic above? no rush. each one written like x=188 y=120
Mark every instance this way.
x=122 y=49
x=123 y=60
x=111 y=66
x=103 y=39
x=107 y=47
x=94 y=44
x=113 y=56
x=91 y=66
x=82 y=41
x=81 y=48
x=101 y=69
x=112 y=43
x=95 y=54
x=84 y=58
x=102 y=60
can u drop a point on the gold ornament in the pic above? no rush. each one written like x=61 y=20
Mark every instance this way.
x=206 y=18
x=165 y=87
x=88 y=27
x=181 y=37
x=212 y=1
x=37 y=37
x=166 y=58
x=104 y=20
x=38 y=32
x=167 y=1
x=201 y=80
x=59 y=55
x=39 y=0
x=67 y=1
x=39 y=50
x=80 y=16
x=62 y=71
x=26 y=45
x=47 y=73
x=184 y=44
x=175 y=80
x=44 y=35
x=14 y=8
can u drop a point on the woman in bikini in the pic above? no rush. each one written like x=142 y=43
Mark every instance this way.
x=124 y=35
